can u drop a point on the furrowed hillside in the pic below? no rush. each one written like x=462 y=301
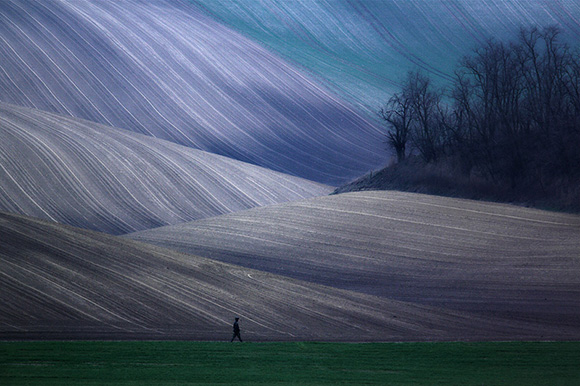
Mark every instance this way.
x=96 y=177
x=249 y=79
x=166 y=69
x=362 y=49
x=166 y=165
x=490 y=259
x=60 y=282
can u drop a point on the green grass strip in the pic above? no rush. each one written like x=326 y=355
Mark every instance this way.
x=217 y=363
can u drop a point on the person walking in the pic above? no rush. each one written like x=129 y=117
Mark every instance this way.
x=236 y=331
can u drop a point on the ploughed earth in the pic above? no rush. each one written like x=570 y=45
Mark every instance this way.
x=367 y=266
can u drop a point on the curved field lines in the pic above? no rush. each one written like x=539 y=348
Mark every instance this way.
x=91 y=176
x=491 y=259
x=196 y=128
x=61 y=282
x=364 y=48
x=165 y=69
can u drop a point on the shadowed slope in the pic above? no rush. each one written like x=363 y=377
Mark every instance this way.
x=62 y=282
x=165 y=69
x=83 y=174
x=496 y=260
x=364 y=48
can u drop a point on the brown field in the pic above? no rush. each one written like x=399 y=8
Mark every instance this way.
x=59 y=282
x=497 y=261
x=162 y=172
x=384 y=277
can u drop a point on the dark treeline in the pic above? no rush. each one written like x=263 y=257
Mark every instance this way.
x=510 y=118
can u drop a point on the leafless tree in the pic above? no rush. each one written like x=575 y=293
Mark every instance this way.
x=512 y=116
x=397 y=115
x=426 y=132
x=415 y=115
x=517 y=105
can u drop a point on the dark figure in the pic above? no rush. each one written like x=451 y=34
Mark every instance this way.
x=236 y=331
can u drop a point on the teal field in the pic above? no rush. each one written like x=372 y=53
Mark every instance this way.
x=212 y=363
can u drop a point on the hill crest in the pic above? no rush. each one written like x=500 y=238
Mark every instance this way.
x=96 y=177
x=64 y=283
x=489 y=259
x=167 y=70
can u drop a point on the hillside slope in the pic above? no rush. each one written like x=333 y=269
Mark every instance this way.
x=96 y=177
x=494 y=260
x=166 y=69
x=60 y=282
x=363 y=49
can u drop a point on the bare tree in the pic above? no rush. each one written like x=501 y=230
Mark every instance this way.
x=416 y=115
x=513 y=116
x=517 y=107
x=426 y=131
x=397 y=115
x=487 y=96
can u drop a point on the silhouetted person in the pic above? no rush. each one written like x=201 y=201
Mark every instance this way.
x=236 y=331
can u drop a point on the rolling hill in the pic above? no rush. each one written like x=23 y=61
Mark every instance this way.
x=490 y=259
x=165 y=69
x=249 y=79
x=362 y=49
x=163 y=168
x=61 y=282
x=91 y=176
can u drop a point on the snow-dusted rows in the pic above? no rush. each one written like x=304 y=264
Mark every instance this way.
x=464 y=255
x=164 y=69
x=92 y=176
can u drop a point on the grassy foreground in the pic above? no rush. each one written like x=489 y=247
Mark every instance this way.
x=209 y=363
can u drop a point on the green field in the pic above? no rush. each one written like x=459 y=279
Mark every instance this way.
x=210 y=363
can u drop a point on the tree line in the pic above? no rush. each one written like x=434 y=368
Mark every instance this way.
x=511 y=116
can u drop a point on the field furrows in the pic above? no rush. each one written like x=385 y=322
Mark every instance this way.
x=165 y=69
x=91 y=176
x=364 y=48
x=492 y=259
x=64 y=282
x=162 y=170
